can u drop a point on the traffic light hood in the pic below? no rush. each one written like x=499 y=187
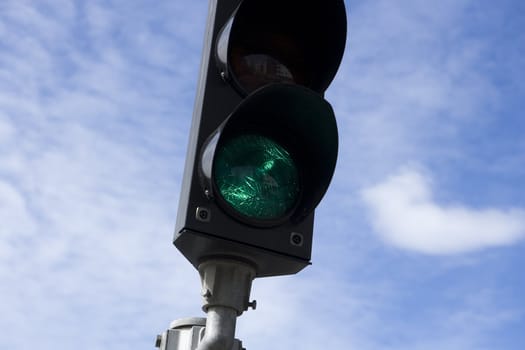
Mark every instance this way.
x=291 y=41
x=293 y=118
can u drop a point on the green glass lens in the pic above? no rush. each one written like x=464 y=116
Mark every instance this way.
x=257 y=177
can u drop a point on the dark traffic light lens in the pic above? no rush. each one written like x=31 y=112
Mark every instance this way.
x=256 y=70
x=257 y=177
x=276 y=41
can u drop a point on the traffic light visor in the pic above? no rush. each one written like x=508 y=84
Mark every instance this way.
x=273 y=158
x=276 y=41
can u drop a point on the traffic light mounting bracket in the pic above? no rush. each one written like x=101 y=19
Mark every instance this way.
x=226 y=286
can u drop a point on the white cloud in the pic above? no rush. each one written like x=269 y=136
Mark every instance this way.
x=314 y=310
x=92 y=137
x=6 y=130
x=16 y=223
x=411 y=87
x=405 y=214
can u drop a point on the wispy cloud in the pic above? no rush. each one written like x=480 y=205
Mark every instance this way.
x=404 y=212
x=414 y=85
x=94 y=107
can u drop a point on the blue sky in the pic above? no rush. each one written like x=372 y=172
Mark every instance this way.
x=419 y=242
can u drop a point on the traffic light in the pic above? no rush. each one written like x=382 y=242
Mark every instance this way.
x=263 y=141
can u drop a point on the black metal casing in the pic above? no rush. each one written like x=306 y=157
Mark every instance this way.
x=275 y=250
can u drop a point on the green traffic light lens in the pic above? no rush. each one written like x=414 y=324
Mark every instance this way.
x=257 y=177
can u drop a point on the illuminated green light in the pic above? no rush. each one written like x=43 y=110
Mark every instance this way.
x=257 y=177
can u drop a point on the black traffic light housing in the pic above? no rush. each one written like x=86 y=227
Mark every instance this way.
x=265 y=67
x=307 y=36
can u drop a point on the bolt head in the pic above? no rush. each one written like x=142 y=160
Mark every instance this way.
x=158 y=341
x=206 y=293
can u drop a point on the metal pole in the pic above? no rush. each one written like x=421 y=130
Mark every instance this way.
x=220 y=329
x=226 y=286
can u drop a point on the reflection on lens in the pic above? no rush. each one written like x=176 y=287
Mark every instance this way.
x=256 y=70
x=257 y=177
